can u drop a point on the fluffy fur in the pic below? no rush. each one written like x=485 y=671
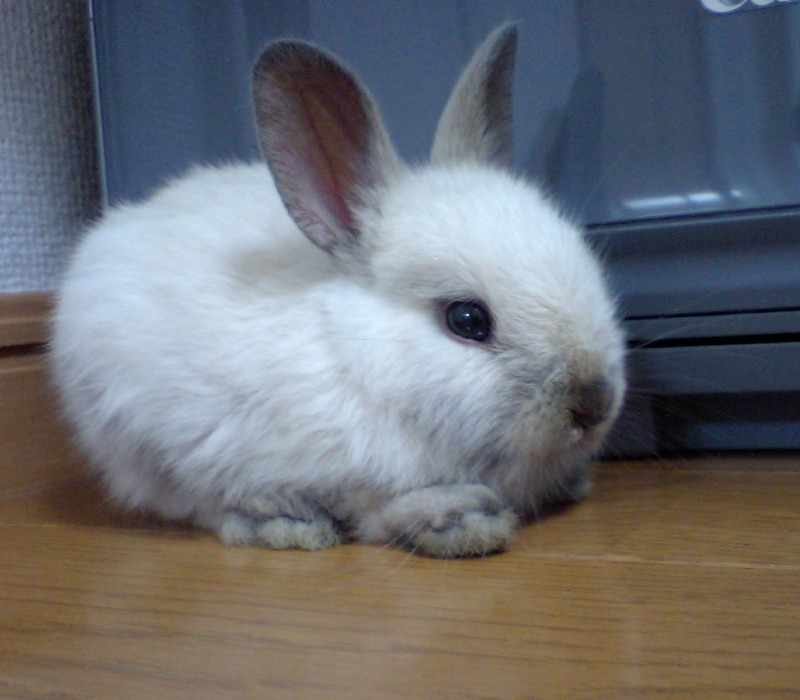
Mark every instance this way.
x=295 y=391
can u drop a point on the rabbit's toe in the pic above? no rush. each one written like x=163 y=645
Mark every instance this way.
x=278 y=532
x=465 y=534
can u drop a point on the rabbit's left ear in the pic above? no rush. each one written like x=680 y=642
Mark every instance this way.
x=476 y=123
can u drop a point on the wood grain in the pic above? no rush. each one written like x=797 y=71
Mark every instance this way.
x=35 y=448
x=675 y=579
x=24 y=318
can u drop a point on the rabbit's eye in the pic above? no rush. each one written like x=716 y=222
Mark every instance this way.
x=468 y=319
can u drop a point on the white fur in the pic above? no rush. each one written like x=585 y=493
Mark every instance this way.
x=219 y=367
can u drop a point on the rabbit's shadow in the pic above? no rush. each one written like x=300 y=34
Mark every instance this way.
x=82 y=502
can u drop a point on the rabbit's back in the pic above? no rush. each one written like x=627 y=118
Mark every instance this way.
x=197 y=306
x=191 y=263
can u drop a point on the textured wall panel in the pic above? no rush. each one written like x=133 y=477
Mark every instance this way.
x=48 y=171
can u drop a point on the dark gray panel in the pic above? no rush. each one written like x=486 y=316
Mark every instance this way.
x=716 y=263
x=669 y=424
x=718 y=369
x=626 y=111
x=661 y=331
x=174 y=83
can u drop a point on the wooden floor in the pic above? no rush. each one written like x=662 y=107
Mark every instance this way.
x=676 y=579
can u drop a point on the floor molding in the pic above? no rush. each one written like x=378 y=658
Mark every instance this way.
x=24 y=319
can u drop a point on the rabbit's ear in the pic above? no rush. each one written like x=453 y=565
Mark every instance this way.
x=476 y=123
x=323 y=139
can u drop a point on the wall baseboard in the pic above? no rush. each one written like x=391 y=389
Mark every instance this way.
x=24 y=318
x=35 y=449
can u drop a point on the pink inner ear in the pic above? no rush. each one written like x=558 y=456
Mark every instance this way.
x=317 y=135
x=333 y=153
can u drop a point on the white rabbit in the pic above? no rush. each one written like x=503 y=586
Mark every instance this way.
x=435 y=359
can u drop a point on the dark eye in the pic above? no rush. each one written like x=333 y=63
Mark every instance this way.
x=468 y=319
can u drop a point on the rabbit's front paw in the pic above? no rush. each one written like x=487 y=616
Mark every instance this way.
x=465 y=534
x=459 y=520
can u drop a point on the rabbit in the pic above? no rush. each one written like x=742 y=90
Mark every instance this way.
x=331 y=346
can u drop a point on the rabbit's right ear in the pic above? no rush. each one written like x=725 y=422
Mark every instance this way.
x=476 y=123
x=323 y=139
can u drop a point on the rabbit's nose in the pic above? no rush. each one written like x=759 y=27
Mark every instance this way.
x=591 y=403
